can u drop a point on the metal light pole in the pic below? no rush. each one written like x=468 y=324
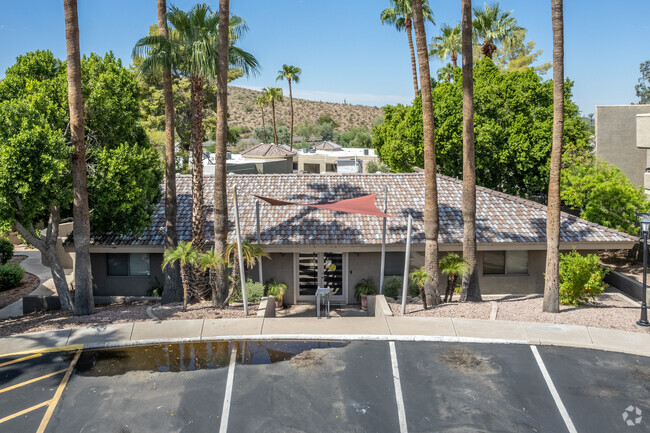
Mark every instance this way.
x=383 y=244
x=407 y=259
x=645 y=227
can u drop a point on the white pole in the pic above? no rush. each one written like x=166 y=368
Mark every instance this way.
x=242 y=271
x=259 y=237
x=407 y=259
x=383 y=244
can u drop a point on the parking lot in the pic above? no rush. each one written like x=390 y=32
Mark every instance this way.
x=359 y=386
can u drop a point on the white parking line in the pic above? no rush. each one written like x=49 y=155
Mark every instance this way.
x=225 y=412
x=554 y=393
x=401 y=413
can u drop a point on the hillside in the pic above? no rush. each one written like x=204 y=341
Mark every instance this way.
x=244 y=112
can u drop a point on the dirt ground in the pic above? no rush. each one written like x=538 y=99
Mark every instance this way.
x=619 y=261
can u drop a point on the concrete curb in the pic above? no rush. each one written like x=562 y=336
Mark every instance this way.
x=342 y=329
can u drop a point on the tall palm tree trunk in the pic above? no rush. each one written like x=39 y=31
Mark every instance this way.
x=84 y=302
x=220 y=286
x=263 y=125
x=275 y=131
x=552 y=275
x=172 y=286
x=471 y=290
x=187 y=271
x=291 y=103
x=454 y=59
x=196 y=142
x=431 y=224
x=409 y=35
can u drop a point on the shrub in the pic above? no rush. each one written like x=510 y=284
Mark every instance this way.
x=581 y=278
x=6 y=251
x=393 y=288
x=276 y=289
x=254 y=292
x=11 y=275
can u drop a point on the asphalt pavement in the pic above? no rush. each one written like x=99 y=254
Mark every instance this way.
x=333 y=386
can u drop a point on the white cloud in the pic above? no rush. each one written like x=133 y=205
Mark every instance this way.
x=350 y=98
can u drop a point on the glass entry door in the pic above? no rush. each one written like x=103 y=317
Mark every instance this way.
x=320 y=270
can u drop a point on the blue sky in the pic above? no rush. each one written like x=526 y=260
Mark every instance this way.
x=344 y=51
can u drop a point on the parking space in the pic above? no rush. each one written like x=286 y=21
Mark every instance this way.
x=357 y=386
x=28 y=385
x=598 y=388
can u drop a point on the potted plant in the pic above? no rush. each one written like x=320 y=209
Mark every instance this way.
x=364 y=288
x=277 y=290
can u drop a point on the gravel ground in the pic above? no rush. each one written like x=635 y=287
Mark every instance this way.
x=202 y=310
x=470 y=310
x=610 y=311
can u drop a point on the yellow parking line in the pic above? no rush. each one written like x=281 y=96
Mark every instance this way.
x=24 y=358
x=47 y=350
x=9 y=388
x=23 y=412
x=57 y=394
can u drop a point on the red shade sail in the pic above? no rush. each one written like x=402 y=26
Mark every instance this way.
x=364 y=205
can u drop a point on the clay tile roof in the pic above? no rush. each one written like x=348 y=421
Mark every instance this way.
x=327 y=145
x=500 y=218
x=267 y=150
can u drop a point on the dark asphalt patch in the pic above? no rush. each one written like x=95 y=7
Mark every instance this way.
x=597 y=387
x=345 y=389
x=474 y=387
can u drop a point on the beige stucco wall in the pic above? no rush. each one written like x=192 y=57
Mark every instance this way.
x=616 y=139
x=280 y=267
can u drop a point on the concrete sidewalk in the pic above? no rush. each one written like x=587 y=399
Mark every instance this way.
x=357 y=328
x=33 y=265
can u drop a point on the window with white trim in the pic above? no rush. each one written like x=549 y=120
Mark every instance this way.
x=509 y=262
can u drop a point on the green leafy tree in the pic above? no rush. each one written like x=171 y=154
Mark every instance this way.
x=494 y=26
x=515 y=54
x=447 y=44
x=283 y=134
x=187 y=257
x=643 y=88
x=35 y=180
x=355 y=137
x=513 y=130
x=261 y=102
x=602 y=192
x=581 y=278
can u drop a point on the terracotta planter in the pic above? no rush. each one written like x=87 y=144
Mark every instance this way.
x=364 y=302
x=278 y=304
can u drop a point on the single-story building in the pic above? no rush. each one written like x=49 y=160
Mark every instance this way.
x=311 y=247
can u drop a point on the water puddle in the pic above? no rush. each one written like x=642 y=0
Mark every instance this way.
x=191 y=356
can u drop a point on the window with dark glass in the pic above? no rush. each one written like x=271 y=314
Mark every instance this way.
x=124 y=265
x=505 y=262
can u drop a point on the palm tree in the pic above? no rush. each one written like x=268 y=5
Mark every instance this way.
x=446 y=72
x=187 y=257
x=431 y=223
x=401 y=16
x=454 y=266
x=251 y=254
x=84 y=302
x=192 y=50
x=290 y=73
x=420 y=278
x=172 y=286
x=273 y=94
x=448 y=44
x=261 y=102
x=471 y=290
x=219 y=282
x=493 y=25
x=212 y=262
x=552 y=275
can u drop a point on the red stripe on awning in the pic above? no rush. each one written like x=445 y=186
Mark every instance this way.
x=364 y=205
